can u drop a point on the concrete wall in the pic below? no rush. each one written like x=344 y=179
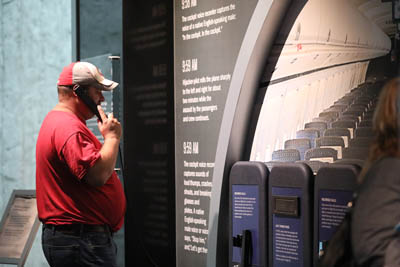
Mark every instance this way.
x=35 y=43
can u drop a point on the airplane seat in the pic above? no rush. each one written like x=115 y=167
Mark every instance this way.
x=337 y=107
x=286 y=155
x=301 y=144
x=333 y=190
x=345 y=101
x=349 y=124
x=309 y=133
x=320 y=125
x=358 y=112
x=363 y=101
x=328 y=120
x=324 y=154
x=344 y=133
x=369 y=114
x=347 y=97
x=355 y=92
x=331 y=114
x=271 y=164
x=364 y=132
x=248 y=198
x=334 y=142
x=360 y=142
x=348 y=117
x=365 y=123
x=315 y=165
x=329 y=141
x=353 y=112
x=359 y=106
x=358 y=162
x=355 y=153
x=373 y=106
x=290 y=217
x=365 y=98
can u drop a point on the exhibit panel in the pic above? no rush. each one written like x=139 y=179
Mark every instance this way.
x=18 y=227
x=290 y=215
x=219 y=54
x=248 y=198
x=209 y=36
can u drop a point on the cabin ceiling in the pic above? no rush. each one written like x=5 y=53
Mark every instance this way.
x=380 y=12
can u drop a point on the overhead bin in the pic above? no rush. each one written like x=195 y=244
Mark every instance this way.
x=327 y=33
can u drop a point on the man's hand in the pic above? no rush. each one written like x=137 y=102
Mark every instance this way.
x=111 y=127
x=102 y=170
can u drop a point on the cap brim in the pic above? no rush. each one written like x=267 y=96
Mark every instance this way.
x=108 y=85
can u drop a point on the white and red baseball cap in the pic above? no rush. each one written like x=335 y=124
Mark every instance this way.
x=85 y=73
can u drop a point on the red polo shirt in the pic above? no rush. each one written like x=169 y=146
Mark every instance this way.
x=65 y=150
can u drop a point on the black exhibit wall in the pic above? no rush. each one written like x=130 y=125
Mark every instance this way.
x=149 y=133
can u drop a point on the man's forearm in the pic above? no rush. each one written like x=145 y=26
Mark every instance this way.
x=101 y=171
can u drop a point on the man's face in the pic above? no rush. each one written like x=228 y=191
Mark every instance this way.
x=96 y=95
x=87 y=108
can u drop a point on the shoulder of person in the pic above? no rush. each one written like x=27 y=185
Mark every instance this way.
x=67 y=124
x=387 y=168
x=388 y=163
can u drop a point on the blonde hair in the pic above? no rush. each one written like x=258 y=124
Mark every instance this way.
x=385 y=124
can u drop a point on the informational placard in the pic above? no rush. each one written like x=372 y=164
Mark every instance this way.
x=18 y=227
x=245 y=216
x=287 y=233
x=208 y=38
x=332 y=209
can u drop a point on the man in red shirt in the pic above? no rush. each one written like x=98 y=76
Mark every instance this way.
x=80 y=199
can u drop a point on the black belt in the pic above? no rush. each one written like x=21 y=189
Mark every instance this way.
x=78 y=228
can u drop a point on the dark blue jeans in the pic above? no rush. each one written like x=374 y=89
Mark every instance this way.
x=81 y=249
